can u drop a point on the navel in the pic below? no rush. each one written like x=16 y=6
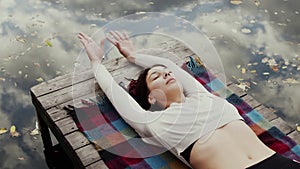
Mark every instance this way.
x=249 y=157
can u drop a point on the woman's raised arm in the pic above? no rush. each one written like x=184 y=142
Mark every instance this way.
x=127 y=107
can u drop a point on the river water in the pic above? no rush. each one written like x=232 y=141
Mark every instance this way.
x=258 y=43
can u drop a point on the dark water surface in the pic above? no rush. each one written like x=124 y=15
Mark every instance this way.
x=258 y=43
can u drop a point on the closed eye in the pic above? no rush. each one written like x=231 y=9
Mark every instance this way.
x=155 y=77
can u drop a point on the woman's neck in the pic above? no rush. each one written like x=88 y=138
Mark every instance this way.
x=175 y=98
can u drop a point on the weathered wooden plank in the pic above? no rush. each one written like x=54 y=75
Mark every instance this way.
x=88 y=154
x=251 y=101
x=97 y=165
x=76 y=102
x=66 y=125
x=267 y=113
x=282 y=125
x=61 y=82
x=66 y=94
x=59 y=115
x=77 y=139
x=295 y=135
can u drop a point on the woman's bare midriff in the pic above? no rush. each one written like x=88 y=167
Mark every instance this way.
x=232 y=146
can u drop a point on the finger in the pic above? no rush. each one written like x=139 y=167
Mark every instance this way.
x=82 y=40
x=114 y=35
x=86 y=37
x=83 y=36
x=120 y=35
x=111 y=40
x=125 y=35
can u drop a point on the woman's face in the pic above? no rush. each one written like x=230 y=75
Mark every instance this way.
x=160 y=79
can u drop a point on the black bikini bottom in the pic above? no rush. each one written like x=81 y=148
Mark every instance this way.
x=187 y=152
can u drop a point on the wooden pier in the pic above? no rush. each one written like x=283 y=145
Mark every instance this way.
x=50 y=98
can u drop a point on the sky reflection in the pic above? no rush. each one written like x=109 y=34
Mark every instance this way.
x=241 y=34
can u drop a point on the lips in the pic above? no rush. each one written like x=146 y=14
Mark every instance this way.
x=170 y=80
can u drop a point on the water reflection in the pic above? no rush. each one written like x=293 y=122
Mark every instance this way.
x=38 y=43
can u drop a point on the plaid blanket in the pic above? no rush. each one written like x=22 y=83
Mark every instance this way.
x=102 y=125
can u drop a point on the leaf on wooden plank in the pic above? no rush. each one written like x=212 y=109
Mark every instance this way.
x=96 y=145
x=13 y=131
x=3 y=130
x=244 y=86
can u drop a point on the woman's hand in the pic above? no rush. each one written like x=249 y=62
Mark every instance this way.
x=123 y=43
x=94 y=51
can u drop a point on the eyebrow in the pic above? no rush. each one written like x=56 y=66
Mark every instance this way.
x=155 y=72
x=152 y=74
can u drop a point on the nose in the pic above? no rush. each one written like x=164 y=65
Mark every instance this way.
x=166 y=74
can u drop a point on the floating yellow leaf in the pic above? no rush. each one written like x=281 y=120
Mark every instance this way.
x=13 y=131
x=36 y=64
x=246 y=30
x=48 y=43
x=252 y=71
x=21 y=158
x=275 y=68
x=3 y=130
x=298 y=128
x=257 y=3
x=34 y=132
x=20 y=39
x=254 y=83
x=39 y=79
x=238 y=66
x=235 y=2
x=243 y=70
x=2 y=79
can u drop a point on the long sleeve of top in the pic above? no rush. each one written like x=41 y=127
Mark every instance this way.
x=128 y=108
x=180 y=124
